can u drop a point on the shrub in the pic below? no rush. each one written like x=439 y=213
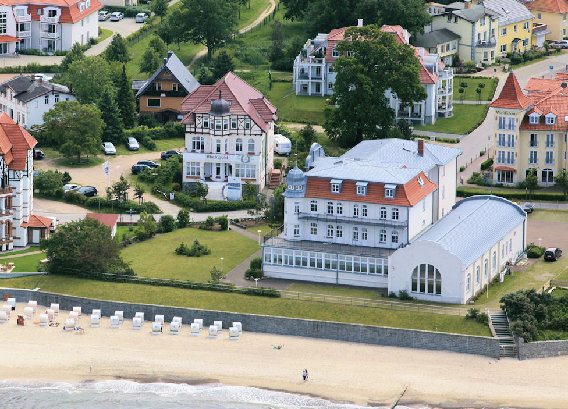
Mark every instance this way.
x=185 y=200
x=256 y=263
x=251 y=274
x=182 y=218
x=534 y=251
x=482 y=318
x=472 y=313
x=392 y=294
x=196 y=250
x=277 y=163
x=462 y=168
x=403 y=295
x=467 y=191
x=167 y=223
x=486 y=164
x=209 y=223
x=477 y=179
x=223 y=222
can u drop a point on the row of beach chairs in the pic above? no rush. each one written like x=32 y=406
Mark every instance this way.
x=72 y=322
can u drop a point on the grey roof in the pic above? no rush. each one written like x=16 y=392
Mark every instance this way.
x=433 y=38
x=362 y=170
x=295 y=179
x=137 y=84
x=509 y=11
x=474 y=226
x=178 y=70
x=400 y=152
x=26 y=89
x=474 y=13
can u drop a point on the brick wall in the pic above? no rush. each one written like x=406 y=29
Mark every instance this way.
x=277 y=325
x=541 y=349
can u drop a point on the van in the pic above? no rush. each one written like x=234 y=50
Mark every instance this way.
x=282 y=145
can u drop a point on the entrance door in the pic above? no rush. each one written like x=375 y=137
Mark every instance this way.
x=218 y=170
x=35 y=236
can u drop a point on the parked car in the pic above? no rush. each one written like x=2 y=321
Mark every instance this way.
x=148 y=163
x=141 y=17
x=137 y=168
x=133 y=144
x=103 y=15
x=559 y=44
x=552 y=254
x=37 y=173
x=70 y=187
x=88 y=191
x=108 y=148
x=168 y=154
x=38 y=154
x=528 y=208
x=116 y=16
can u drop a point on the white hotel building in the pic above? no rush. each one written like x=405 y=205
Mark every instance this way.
x=229 y=133
x=347 y=218
x=47 y=25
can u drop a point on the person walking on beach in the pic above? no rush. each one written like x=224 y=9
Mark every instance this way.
x=305 y=375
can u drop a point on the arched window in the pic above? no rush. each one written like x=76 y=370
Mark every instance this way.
x=426 y=279
x=239 y=145
x=197 y=143
x=218 y=146
x=468 y=283
x=477 y=276
x=250 y=145
x=485 y=269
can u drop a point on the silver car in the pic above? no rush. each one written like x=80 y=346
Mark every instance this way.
x=133 y=144
x=108 y=148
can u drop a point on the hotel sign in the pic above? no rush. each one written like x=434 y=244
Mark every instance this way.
x=217 y=157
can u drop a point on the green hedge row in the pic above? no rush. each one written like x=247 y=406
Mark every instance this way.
x=227 y=288
x=102 y=203
x=466 y=191
x=197 y=205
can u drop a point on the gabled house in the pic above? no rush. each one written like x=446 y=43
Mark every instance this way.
x=314 y=74
x=25 y=99
x=164 y=92
x=442 y=42
x=552 y=13
x=106 y=219
x=515 y=25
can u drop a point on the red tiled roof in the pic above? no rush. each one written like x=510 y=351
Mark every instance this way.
x=38 y=222
x=511 y=95
x=70 y=12
x=104 y=218
x=19 y=140
x=543 y=84
x=505 y=168
x=550 y=6
x=406 y=195
x=245 y=100
x=8 y=39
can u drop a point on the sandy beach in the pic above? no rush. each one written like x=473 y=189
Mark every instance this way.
x=358 y=373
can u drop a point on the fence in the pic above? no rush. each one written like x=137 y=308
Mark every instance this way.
x=558 y=283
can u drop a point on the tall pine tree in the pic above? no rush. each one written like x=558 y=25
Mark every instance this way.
x=110 y=114
x=125 y=101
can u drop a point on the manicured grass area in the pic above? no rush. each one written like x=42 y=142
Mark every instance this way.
x=86 y=162
x=105 y=33
x=465 y=119
x=161 y=145
x=535 y=277
x=156 y=257
x=553 y=215
x=331 y=148
x=121 y=230
x=24 y=251
x=264 y=229
x=248 y=304
x=25 y=264
x=335 y=290
x=487 y=92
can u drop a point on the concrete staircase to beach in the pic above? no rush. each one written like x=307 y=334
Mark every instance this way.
x=507 y=346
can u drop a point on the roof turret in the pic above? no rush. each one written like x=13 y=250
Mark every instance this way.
x=220 y=107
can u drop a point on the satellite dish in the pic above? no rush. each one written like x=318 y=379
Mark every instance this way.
x=564 y=85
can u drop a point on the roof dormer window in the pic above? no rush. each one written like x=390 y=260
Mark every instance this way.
x=550 y=118
x=420 y=181
x=334 y=52
x=534 y=118
x=361 y=188
x=390 y=191
x=335 y=186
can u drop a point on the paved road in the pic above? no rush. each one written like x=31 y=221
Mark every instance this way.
x=124 y=27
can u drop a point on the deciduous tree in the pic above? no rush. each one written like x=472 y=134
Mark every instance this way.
x=117 y=50
x=410 y=14
x=76 y=129
x=561 y=180
x=90 y=77
x=150 y=61
x=159 y=8
x=75 y=54
x=120 y=188
x=223 y=64
x=378 y=63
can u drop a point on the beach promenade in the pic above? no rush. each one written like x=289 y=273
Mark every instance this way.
x=342 y=371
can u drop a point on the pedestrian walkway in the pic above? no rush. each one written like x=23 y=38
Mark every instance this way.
x=8 y=256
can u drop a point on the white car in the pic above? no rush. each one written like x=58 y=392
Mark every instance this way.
x=70 y=187
x=109 y=148
x=133 y=144
x=141 y=17
x=116 y=16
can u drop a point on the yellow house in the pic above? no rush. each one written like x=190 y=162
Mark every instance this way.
x=531 y=130
x=515 y=26
x=554 y=14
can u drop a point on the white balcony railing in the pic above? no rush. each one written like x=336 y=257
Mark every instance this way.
x=24 y=34
x=45 y=19
x=46 y=34
x=23 y=19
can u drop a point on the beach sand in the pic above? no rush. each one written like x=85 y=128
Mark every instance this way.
x=341 y=371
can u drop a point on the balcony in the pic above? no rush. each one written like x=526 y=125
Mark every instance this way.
x=346 y=219
x=445 y=90
x=46 y=19
x=446 y=73
x=24 y=19
x=46 y=34
x=24 y=34
x=486 y=43
x=305 y=76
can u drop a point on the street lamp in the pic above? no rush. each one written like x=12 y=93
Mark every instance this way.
x=222 y=264
x=539 y=240
x=256 y=281
x=259 y=236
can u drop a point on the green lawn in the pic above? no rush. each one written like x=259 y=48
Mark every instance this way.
x=465 y=119
x=156 y=257
x=121 y=230
x=248 y=304
x=25 y=264
x=469 y=94
x=553 y=215
x=331 y=148
x=105 y=33
x=335 y=290
x=264 y=229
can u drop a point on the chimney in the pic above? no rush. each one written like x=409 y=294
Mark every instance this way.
x=359 y=22
x=40 y=80
x=170 y=53
x=467 y=4
x=33 y=77
x=420 y=147
x=165 y=61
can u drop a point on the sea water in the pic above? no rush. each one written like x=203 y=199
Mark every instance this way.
x=120 y=394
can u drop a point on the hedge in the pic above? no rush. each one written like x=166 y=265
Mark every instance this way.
x=96 y=203
x=486 y=164
x=197 y=205
x=513 y=194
